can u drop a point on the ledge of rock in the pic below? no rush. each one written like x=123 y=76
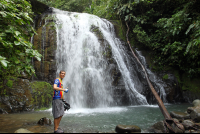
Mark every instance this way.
x=179 y=115
x=127 y=129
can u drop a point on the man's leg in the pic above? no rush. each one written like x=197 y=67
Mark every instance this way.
x=57 y=122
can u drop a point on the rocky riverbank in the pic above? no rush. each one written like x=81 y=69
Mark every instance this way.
x=190 y=119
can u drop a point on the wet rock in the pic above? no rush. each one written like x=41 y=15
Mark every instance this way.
x=176 y=120
x=188 y=124
x=45 y=121
x=197 y=125
x=178 y=128
x=2 y=111
x=196 y=103
x=21 y=130
x=172 y=87
x=195 y=114
x=190 y=109
x=127 y=129
x=179 y=115
x=158 y=127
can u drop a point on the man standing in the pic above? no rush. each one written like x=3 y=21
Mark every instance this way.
x=57 y=104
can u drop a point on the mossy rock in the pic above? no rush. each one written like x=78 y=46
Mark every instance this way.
x=120 y=30
x=97 y=32
x=165 y=77
x=192 y=85
x=41 y=94
x=22 y=95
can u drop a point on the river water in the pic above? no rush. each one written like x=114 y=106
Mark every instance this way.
x=90 y=120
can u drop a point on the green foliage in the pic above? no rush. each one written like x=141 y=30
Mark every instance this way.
x=102 y=8
x=165 y=77
x=170 y=28
x=15 y=31
x=47 y=2
x=68 y=5
x=9 y=83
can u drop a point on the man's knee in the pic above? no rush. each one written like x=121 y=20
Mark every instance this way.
x=58 y=118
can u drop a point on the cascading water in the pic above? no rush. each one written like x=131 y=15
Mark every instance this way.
x=157 y=82
x=80 y=53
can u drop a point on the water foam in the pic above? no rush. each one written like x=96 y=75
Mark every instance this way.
x=85 y=111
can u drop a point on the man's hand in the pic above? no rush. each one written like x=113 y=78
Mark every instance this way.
x=66 y=90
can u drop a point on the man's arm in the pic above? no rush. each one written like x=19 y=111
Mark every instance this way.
x=57 y=88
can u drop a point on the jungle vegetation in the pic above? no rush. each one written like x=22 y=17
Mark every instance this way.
x=170 y=28
x=16 y=31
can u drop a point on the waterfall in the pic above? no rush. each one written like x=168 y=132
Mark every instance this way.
x=156 y=81
x=80 y=53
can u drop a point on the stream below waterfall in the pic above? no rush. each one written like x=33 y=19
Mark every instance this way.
x=90 y=120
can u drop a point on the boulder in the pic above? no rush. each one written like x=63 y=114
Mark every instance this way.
x=188 y=124
x=195 y=114
x=45 y=121
x=197 y=125
x=179 y=115
x=176 y=127
x=127 y=129
x=158 y=127
x=21 y=130
x=196 y=103
x=190 y=109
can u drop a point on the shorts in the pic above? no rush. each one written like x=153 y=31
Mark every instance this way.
x=57 y=108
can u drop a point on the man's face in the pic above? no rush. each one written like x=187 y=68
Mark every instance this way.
x=62 y=75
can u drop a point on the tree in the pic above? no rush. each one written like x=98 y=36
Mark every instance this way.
x=16 y=50
x=170 y=28
x=68 y=5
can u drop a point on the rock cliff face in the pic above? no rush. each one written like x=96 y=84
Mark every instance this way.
x=45 y=43
x=170 y=79
x=23 y=95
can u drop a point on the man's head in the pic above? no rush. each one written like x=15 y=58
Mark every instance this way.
x=62 y=74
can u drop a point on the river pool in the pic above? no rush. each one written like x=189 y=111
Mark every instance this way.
x=90 y=120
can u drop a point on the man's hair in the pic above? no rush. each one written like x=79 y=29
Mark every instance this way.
x=62 y=71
